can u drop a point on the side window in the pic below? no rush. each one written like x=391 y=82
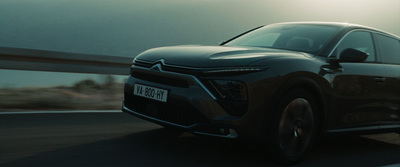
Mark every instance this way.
x=389 y=49
x=359 y=40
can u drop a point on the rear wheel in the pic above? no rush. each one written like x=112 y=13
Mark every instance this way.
x=294 y=126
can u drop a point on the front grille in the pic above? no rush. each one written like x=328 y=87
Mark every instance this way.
x=143 y=64
x=173 y=112
x=161 y=79
x=171 y=68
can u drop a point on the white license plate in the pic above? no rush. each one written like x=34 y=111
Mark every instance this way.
x=151 y=92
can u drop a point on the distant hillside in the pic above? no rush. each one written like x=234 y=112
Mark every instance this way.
x=85 y=95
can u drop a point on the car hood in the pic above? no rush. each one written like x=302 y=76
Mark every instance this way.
x=214 y=56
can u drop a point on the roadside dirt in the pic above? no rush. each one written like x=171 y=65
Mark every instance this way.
x=85 y=95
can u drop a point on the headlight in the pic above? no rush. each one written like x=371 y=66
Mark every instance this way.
x=232 y=96
x=231 y=90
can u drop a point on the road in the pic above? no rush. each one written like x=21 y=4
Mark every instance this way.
x=119 y=139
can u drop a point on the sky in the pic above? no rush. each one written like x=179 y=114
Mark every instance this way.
x=129 y=27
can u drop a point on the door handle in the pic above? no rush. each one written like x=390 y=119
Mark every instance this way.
x=379 y=79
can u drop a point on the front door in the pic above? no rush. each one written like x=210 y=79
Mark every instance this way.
x=357 y=90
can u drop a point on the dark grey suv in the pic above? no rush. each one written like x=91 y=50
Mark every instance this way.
x=279 y=85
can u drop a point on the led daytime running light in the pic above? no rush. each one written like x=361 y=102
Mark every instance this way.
x=249 y=69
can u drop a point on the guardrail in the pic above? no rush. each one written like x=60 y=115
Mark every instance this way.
x=41 y=60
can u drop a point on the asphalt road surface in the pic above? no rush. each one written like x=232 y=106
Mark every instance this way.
x=119 y=139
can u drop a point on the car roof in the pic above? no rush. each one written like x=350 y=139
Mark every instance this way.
x=342 y=25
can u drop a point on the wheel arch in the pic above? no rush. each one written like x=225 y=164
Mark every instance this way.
x=311 y=84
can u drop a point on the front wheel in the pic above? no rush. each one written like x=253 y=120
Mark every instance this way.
x=294 y=126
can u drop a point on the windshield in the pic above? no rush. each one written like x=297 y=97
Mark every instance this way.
x=299 y=37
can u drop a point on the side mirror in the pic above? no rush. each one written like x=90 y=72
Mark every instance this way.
x=353 y=55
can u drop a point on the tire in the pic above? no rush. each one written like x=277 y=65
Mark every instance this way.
x=293 y=127
x=173 y=130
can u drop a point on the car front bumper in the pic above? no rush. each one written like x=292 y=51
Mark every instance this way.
x=208 y=129
x=189 y=106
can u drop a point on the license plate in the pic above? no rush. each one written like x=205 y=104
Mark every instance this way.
x=151 y=92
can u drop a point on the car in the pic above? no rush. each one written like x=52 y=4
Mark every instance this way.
x=280 y=85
